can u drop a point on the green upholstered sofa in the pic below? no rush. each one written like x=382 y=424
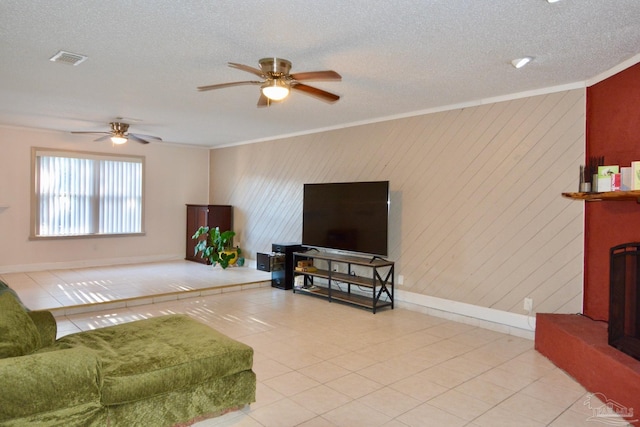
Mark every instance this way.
x=168 y=370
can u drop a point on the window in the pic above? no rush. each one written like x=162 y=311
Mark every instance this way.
x=83 y=194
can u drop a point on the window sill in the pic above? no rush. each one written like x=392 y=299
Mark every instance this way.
x=85 y=236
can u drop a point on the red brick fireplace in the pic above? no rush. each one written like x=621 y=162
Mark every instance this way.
x=578 y=344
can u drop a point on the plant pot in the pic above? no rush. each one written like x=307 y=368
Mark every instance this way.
x=233 y=252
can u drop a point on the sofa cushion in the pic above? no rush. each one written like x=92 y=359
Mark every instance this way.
x=46 y=325
x=55 y=387
x=18 y=333
x=5 y=288
x=155 y=356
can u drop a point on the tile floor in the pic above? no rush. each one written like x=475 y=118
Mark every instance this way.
x=327 y=364
x=87 y=289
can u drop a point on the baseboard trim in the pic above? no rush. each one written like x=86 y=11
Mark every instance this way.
x=86 y=263
x=489 y=318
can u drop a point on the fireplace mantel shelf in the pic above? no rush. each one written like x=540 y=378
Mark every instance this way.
x=607 y=196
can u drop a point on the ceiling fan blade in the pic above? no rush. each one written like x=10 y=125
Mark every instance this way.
x=103 y=138
x=221 y=85
x=143 y=136
x=247 y=68
x=314 y=91
x=92 y=132
x=137 y=138
x=317 y=75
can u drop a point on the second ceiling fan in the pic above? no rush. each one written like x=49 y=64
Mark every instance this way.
x=120 y=134
x=277 y=82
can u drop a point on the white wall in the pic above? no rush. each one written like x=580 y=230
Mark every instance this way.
x=476 y=213
x=174 y=176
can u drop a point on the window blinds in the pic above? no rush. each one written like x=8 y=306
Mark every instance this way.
x=87 y=195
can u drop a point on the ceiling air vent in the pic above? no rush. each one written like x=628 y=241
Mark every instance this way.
x=68 y=58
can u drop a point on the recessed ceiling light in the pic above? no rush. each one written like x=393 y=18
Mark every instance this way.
x=553 y=1
x=521 y=62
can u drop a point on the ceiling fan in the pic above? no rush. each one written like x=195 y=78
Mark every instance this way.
x=120 y=134
x=276 y=81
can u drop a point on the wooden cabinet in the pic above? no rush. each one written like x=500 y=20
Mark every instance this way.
x=206 y=215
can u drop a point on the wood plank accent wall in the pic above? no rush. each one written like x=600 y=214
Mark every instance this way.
x=476 y=212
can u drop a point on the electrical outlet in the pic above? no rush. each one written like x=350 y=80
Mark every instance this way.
x=400 y=279
x=528 y=305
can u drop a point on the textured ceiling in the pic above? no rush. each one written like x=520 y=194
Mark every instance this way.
x=146 y=58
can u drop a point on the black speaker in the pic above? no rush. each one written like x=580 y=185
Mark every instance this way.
x=263 y=262
x=283 y=279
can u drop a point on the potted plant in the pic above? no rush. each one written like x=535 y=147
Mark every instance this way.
x=217 y=247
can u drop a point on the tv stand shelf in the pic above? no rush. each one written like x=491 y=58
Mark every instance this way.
x=378 y=286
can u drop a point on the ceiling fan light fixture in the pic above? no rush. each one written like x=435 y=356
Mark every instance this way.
x=275 y=90
x=521 y=62
x=118 y=139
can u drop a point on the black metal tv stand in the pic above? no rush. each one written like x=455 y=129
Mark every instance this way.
x=327 y=279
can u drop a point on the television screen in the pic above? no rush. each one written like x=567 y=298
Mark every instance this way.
x=349 y=216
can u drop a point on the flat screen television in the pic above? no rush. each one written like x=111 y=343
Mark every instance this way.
x=347 y=216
